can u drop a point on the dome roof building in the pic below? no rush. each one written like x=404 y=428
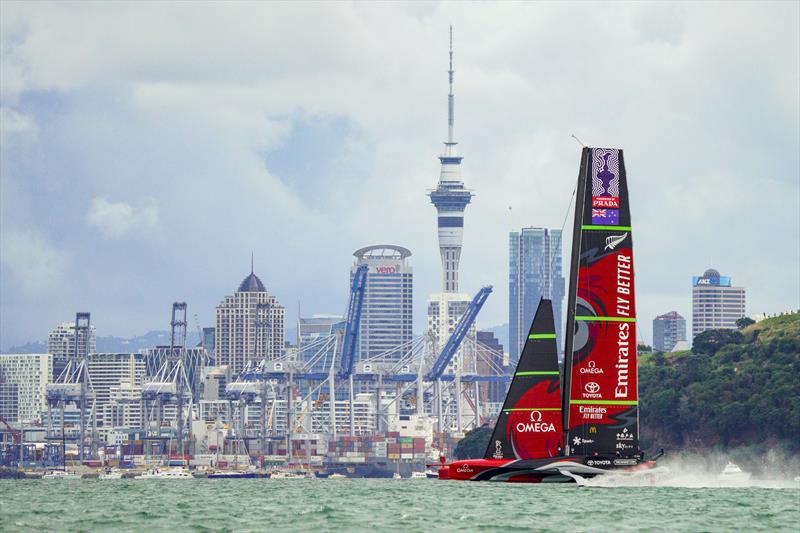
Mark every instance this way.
x=249 y=325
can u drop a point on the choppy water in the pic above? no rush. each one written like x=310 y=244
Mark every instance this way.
x=385 y=505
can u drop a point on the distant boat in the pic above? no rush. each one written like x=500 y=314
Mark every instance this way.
x=287 y=475
x=112 y=473
x=418 y=475
x=171 y=473
x=431 y=474
x=733 y=473
x=61 y=474
x=250 y=474
x=397 y=475
x=336 y=475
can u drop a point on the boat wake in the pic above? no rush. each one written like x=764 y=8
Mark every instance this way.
x=640 y=478
x=663 y=476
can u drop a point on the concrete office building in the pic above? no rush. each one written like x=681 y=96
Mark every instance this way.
x=122 y=373
x=668 y=330
x=61 y=344
x=534 y=272
x=250 y=326
x=387 y=313
x=23 y=386
x=716 y=303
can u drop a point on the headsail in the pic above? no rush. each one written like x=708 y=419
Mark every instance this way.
x=601 y=412
x=529 y=425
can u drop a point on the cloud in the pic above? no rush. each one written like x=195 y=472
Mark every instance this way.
x=34 y=265
x=305 y=132
x=12 y=121
x=118 y=219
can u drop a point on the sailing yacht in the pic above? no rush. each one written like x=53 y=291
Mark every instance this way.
x=547 y=432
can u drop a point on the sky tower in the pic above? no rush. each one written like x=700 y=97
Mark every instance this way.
x=450 y=197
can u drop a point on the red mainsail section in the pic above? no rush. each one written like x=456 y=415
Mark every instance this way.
x=530 y=423
x=602 y=415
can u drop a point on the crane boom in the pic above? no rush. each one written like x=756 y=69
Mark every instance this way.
x=350 y=342
x=460 y=331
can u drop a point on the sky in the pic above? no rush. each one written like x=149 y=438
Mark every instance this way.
x=147 y=148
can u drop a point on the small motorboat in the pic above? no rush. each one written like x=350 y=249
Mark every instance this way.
x=336 y=475
x=431 y=474
x=418 y=475
x=170 y=473
x=397 y=475
x=61 y=474
x=287 y=475
x=732 y=473
x=111 y=473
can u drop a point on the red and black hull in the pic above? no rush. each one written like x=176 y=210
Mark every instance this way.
x=550 y=470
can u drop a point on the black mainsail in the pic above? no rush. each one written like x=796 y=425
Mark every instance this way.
x=600 y=404
x=529 y=425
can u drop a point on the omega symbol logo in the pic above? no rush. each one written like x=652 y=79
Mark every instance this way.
x=536 y=416
x=592 y=387
x=592 y=364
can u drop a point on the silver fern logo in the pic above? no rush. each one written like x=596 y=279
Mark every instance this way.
x=613 y=240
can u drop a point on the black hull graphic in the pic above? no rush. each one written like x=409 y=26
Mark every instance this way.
x=552 y=470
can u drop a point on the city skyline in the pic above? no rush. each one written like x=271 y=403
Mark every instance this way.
x=109 y=209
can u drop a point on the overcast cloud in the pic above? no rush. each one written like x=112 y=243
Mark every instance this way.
x=147 y=148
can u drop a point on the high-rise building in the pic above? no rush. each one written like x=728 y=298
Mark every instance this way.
x=23 y=385
x=716 y=304
x=450 y=199
x=534 y=272
x=668 y=330
x=250 y=326
x=387 y=313
x=312 y=333
x=61 y=344
x=492 y=361
x=207 y=342
x=118 y=372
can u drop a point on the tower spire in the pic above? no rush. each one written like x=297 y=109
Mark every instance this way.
x=251 y=262
x=450 y=96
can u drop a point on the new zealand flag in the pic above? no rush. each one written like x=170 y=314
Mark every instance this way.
x=605 y=217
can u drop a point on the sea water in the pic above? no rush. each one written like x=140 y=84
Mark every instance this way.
x=375 y=505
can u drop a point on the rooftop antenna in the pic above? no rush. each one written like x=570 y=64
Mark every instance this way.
x=450 y=104
x=579 y=141
x=251 y=261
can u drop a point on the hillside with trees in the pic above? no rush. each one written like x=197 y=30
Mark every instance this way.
x=734 y=388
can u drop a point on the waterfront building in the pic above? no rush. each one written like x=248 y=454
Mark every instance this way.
x=492 y=361
x=387 y=313
x=61 y=344
x=215 y=379
x=122 y=373
x=668 y=330
x=534 y=272
x=123 y=410
x=23 y=386
x=716 y=303
x=207 y=341
x=250 y=326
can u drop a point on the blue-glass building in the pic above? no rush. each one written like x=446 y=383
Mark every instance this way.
x=534 y=272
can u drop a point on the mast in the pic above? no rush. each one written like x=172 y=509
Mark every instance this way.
x=574 y=264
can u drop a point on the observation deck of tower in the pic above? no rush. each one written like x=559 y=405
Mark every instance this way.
x=450 y=197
